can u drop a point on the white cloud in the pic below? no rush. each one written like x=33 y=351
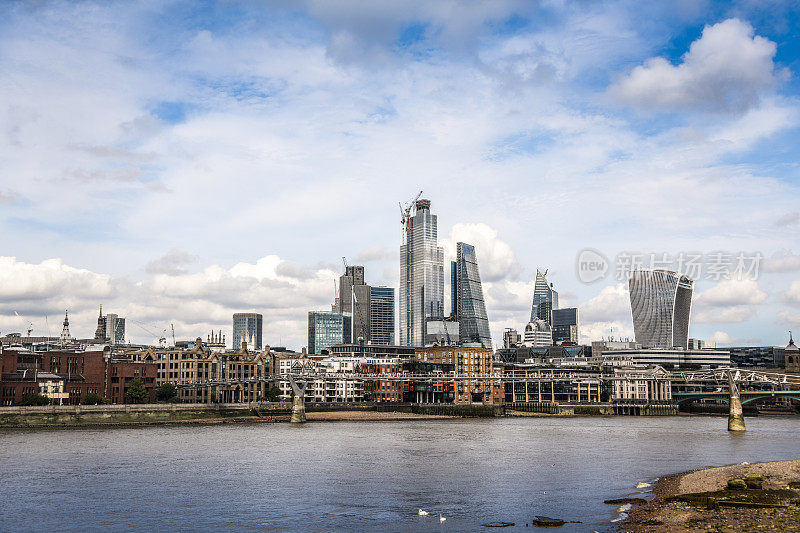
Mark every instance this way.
x=496 y=258
x=781 y=261
x=727 y=69
x=787 y=317
x=789 y=219
x=793 y=294
x=612 y=303
x=719 y=337
x=731 y=292
x=49 y=279
x=172 y=263
x=734 y=314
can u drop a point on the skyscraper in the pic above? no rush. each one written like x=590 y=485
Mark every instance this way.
x=354 y=299
x=381 y=310
x=545 y=299
x=661 y=302
x=565 y=325
x=421 y=274
x=247 y=327
x=115 y=329
x=469 y=306
x=326 y=329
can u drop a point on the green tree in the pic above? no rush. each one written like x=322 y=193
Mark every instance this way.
x=136 y=392
x=35 y=399
x=166 y=392
x=94 y=399
x=274 y=394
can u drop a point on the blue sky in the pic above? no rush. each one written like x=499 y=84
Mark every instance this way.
x=180 y=161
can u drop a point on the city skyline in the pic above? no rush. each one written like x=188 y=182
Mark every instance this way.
x=161 y=187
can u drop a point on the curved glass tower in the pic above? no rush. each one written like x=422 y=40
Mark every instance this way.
x=661 y=301
x=469 y=306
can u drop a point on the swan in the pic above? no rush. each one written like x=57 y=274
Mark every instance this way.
x=422 y=513
x=441 y=518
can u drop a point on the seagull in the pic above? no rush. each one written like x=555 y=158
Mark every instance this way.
x=441 y=518
x=422 y=513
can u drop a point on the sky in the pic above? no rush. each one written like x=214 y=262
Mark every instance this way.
x=180 y=161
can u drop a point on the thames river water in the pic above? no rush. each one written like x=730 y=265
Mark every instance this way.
x=365 y=476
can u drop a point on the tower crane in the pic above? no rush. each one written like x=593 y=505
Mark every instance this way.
x=405 y=212
x=30 y=324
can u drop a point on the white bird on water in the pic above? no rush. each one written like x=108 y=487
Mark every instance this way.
x=423 y=513
x=441 y=518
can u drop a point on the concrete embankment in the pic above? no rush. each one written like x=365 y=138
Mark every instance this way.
x=589 y=409
x=123 y=415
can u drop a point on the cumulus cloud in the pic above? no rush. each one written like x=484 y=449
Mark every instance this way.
x=731 y=292
x=611 y=304
x=719 y=337
x=172 y=263
x=496 y=258
x=376 y=253
x=50 y=279
x=789 y=219
x=787 y=317
x=727 y=69
x=781 y=261
x=734 y=314
x=793 y=294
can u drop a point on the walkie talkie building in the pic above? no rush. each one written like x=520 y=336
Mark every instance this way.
x=661 y=302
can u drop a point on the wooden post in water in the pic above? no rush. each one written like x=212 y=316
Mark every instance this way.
x=736 y=416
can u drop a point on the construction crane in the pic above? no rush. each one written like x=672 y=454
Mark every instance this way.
x=405 y=211
x=30 y=324
x=162 y=340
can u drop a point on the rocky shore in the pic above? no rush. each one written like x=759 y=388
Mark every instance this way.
x=743 y=497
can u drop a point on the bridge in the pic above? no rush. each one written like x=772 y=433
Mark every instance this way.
x=735 y=386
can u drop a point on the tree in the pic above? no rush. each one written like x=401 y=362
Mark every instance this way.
x=166 y=392
x=35 y=399
x=274 y=394
x=136 y=392
x=94 y=399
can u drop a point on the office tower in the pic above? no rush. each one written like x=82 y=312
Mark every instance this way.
x=326 y=329
x=247 y=327
x=354 y=299
x=470 y=309
x=565 y=325
x=421 y=274
x=661 y=301
x=381 y=319
x=545 y=299
x=115 y=329
x=511 y=338
x=538 y=334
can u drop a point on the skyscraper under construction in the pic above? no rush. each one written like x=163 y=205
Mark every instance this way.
x=421 y=274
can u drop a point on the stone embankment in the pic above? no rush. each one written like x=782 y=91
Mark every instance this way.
x=67 y=416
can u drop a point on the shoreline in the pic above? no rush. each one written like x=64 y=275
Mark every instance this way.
x=315 y=416
x=698 y=500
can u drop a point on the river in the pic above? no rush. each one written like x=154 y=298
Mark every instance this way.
x=364 y=476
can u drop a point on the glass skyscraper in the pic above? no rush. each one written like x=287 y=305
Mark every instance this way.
x=565 y=325
x=381 y=310
x=469 y=307
x=661 y=302
x=421 y=275
x=326 y=329
x=247 y=327
x=545 y=299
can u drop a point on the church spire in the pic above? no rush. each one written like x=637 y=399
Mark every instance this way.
x=100 y=332
x=66 y=338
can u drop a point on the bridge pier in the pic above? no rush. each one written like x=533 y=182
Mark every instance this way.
x=736 y=414
x=298 y=404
